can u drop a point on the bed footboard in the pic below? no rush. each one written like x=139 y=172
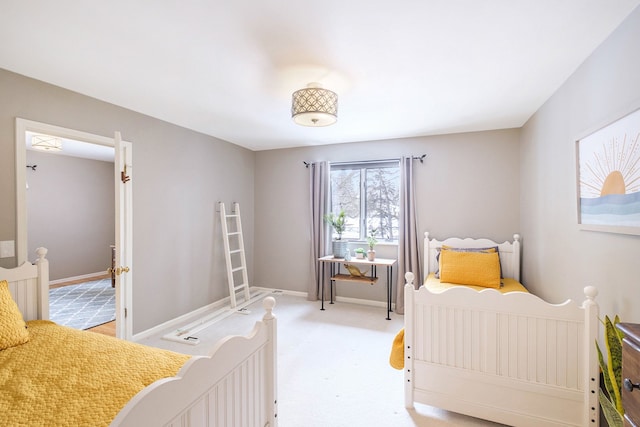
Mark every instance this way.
x=510 y=358
x=235 y=386
x=29 y=286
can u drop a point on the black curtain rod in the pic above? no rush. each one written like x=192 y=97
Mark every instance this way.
x=421 y=158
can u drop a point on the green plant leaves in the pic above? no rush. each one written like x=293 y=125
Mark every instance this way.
x=612 y=368
x=614 y=419
x=337 y=222
x=606 y=374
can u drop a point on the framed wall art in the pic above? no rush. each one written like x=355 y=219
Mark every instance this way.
x=608 y=163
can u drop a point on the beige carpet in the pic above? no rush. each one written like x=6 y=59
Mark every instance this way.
x=333 y=368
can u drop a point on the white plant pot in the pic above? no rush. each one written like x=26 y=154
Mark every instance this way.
x=371 y=255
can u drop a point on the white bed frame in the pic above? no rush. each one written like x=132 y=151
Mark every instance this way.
x=510 y=358
x=235 y=386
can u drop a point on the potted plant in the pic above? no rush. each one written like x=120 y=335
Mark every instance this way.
x=611 y=401
x=371 y=241
x=359 y=253
x=338 y=223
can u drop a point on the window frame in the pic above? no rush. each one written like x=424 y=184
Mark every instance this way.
x=362 y=166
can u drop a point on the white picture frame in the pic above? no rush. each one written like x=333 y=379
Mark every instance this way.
x=608 y=177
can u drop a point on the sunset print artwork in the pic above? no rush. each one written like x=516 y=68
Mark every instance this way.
x=609 y=176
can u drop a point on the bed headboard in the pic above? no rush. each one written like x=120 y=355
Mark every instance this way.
x=29 y=286
x=509 y=253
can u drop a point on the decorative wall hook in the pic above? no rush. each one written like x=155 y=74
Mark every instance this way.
x=123 y=175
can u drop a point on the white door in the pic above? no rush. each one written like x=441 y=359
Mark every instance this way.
x=124 y=242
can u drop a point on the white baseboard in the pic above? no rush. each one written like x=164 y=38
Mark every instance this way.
x=280 y=291
x=337 y=298
x=82 y=277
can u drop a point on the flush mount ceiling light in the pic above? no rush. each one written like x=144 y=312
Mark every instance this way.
x=46 y=143
x=314 y=106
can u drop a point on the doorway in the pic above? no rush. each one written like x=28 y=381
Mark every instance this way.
x=84 y=142
x=70 y=211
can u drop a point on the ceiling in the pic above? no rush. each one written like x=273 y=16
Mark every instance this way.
x=228 y=68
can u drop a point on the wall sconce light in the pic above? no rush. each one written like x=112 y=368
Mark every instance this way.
x=46 y=143
x=314 y=106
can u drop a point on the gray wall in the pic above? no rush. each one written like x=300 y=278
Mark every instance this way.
x=178 y=176
x=488 y=184
x=467 y=186
x=559 y=259
x=70 y=211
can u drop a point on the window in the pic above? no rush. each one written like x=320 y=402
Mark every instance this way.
x=369 y=194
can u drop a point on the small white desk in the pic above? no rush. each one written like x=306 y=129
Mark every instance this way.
x=335 y=274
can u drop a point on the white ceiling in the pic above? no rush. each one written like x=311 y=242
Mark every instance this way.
x=227 y=68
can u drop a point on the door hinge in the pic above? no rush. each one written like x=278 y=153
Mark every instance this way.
x=125 y=312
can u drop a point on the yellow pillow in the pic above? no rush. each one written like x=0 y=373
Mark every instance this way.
x=470 y=268
x=451 y=248
x=13 y=330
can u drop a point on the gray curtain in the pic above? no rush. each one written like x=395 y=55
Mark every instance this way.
x=408 y=242
x=320 y=237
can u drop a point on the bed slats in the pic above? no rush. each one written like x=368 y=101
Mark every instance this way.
x=510 y=358
x=527 y=348
x=29 y=286
x=235 y=386
x=236 y=400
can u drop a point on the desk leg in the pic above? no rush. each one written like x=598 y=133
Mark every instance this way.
x=389 y=290
x=322 y=285
x=332 y=283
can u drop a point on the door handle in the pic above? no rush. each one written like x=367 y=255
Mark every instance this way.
x=121 y=270
x=118 y=271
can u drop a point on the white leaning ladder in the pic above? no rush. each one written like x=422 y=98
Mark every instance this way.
x=234 y=251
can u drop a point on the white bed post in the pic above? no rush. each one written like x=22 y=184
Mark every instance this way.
x=426 y=268
x=516 y=257
x=409 y=291
x=271 y=363
x=592 y=369
x=43 y=284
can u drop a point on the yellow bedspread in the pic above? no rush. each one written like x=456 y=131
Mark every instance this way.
x=66 y=377
x=396 y=358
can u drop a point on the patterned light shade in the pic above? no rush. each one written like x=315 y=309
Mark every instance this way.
x=46 y=143
x=314 y=106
